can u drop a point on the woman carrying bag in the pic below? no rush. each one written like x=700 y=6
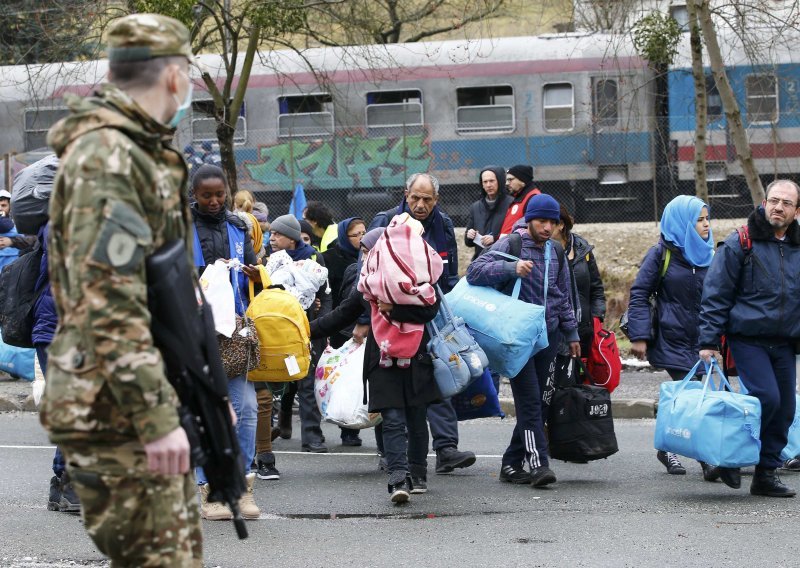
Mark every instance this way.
x=672 y=273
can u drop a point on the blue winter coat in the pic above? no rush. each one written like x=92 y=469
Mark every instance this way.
x=755 y=295
x=677 y=344
x=45 y=318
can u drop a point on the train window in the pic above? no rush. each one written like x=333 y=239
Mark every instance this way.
x=37 y=122
x=204 y=126
x=559 y=107
x=762 y=98
x=680 y=14
x=716 y=171
x=305 y=115
x=386 y=109
x=485 y=109
x=606 y=102
x=713 y=100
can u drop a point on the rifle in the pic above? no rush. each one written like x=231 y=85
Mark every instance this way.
x=183 y=330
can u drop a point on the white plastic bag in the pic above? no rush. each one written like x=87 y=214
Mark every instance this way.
x=339 y=387
x=216 y=284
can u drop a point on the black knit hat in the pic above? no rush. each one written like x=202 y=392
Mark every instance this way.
x=522 y=172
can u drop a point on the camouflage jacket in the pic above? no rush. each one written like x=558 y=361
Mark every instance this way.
x=119 y=195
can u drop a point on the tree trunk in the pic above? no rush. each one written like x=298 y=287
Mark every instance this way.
x=700 y=105
x=732 y=112
x=225 y=133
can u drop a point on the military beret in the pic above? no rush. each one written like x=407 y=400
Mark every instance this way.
x=139 y=37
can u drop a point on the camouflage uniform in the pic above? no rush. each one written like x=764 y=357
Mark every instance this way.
x=119 y=195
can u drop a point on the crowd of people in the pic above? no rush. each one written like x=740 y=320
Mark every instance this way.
x=121 y=192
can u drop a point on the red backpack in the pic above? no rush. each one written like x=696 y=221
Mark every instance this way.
x=603 y=363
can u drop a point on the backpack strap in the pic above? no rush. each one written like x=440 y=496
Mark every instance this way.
x=744 y=238
x=515 y=244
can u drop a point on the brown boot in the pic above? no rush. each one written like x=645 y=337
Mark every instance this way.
x=247 y=503
x=213 y=511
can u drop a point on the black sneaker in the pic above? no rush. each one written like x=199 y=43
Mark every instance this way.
x=69 y=503
x=767 y=484
x=541 y=476
x=511 y=474
x=419 y=485
x=267 y=470
x=353 y=440
x=399 y=492
x=54 y=500
x=792 y=464
x=315 y=448
x=448 y=459
x=671 y=462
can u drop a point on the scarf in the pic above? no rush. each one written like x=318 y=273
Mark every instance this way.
x=678 y=227
x=302 y=251
x=345 y=246
x=236 y=250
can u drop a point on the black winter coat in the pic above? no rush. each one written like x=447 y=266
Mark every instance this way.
x=755 y=295
x=213 y=235
x=588 y=286
x=677 y=341
x=337 y=261
x=391 y=387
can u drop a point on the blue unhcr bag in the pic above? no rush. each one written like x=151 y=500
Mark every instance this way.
x=712 y=425
x=479 y=400
x=792 y=449
x=509 y=330
x=17 y=361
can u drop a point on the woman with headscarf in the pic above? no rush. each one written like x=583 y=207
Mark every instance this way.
x=673 y=272
x=341 y=254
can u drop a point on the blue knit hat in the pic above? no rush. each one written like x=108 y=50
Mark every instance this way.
x=542 y=206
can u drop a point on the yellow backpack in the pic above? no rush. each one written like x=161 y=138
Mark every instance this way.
x=283 y=334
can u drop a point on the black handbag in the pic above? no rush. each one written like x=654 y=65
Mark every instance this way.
x=580 y=425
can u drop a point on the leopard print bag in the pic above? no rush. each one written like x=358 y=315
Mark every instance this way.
x=240 y=353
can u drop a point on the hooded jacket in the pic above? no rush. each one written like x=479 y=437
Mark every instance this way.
x=120 y=194
x=494 y=270
x=753 y=295
x=486 y=218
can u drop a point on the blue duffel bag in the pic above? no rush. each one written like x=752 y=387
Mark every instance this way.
x=792 y=449
x=509 y=330
x=479 y=400
x=17 y=361
x=712 y=425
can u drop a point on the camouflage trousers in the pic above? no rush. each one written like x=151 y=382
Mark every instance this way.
x=134 y=517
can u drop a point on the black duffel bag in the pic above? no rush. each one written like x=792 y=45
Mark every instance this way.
x=579 y=424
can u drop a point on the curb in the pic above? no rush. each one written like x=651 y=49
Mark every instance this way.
x=628 y=408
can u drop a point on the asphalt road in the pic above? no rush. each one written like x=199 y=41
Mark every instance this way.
x=333 y=510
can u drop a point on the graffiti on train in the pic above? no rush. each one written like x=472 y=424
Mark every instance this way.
x=352 y=160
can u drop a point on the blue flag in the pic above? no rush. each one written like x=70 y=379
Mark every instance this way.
x=298 y=202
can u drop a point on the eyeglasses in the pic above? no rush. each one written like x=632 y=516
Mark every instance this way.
x=773 y=201
x=359 y=234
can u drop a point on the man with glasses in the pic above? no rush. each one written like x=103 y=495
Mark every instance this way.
x=752 y=295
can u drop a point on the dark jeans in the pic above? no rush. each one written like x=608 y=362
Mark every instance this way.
x=310 y=416
x=444 y=424
x=768 y=372
x=405 y=442
x=528 y=441
x=59 y=463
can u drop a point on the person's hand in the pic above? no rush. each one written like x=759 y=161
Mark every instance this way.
x=384 y=308
x=317 y=305
x=360 y=332
x=487 y=240
x=471 y=234
x=708 y=354
x=4 y=242
x=639 y=349
x=252 y=272
x=524 y=267
x=575 y=348
x=169 y=455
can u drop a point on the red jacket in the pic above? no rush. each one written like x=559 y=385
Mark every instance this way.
x=516 y=211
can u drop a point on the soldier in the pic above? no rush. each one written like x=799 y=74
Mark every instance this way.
x=120 y=194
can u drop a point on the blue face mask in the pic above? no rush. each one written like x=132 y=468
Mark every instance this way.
x=182 y=107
